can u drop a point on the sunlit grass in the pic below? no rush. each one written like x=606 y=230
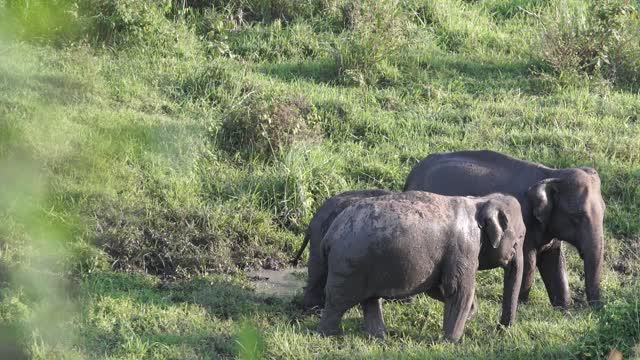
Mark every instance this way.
x=112 y=165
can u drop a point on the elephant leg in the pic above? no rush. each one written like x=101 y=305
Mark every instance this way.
x=316 y=281
x=554 y=275
x=436 y=293
x=457 y=306
x=373 y=320
x=331 y=318
x=528 y=271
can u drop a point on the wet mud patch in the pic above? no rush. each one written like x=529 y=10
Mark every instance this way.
x=283 y=283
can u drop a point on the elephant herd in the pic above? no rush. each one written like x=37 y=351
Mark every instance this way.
x=460 y=212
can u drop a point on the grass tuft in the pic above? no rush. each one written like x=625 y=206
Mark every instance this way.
x=266 y=126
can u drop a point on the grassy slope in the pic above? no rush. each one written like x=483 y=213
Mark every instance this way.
x=107 y=147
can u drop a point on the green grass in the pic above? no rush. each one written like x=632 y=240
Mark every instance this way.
x=150 y=153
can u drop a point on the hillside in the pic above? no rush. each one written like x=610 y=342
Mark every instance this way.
x=153 y=151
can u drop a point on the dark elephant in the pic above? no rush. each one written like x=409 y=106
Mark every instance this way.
x=417 y=242
x=318 y=226
x=563 y=204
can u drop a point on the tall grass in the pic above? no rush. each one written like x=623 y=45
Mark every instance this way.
x=376 y=33
x=600 y=40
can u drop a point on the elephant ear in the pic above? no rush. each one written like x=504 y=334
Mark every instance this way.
x=494 y=223
x=541 y=197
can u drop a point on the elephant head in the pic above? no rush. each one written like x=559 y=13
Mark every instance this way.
x=502 y=230
x=569 y=207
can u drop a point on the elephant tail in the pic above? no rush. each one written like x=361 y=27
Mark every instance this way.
x=295 y=260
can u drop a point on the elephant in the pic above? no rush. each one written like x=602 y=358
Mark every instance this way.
x=408 y=243
x=318 y=226
x=557 y=204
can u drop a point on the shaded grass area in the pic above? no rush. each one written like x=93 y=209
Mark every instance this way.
x=193 y=145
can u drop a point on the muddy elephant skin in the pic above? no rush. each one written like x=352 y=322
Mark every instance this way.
x=317 y=276
x=416 y=242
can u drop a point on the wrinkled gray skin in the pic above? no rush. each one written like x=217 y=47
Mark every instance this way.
x=318 y=226
x=563 y=204
x=416 y=242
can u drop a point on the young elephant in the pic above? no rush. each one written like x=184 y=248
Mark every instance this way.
x=318 y=226
x=415 y=242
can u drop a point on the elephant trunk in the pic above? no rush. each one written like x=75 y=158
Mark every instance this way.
x=511 y=288
x=592 y=255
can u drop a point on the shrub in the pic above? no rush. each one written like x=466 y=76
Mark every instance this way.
x=601 y=41
x=120 y=20
x=263 y=126
x=375 y=35
x=137 y=22
x=214 y=28
x=213 y=82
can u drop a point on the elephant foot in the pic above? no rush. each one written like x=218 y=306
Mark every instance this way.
x=327 y=330
x=561 y=304
x=504 y=323
x=373 y=320
x=375 y=328
x=596 y=304
x=375 y=332
x=312 y=302
x=330 y=322
x=523 y=299
x=561 y=308
x=329 y=325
